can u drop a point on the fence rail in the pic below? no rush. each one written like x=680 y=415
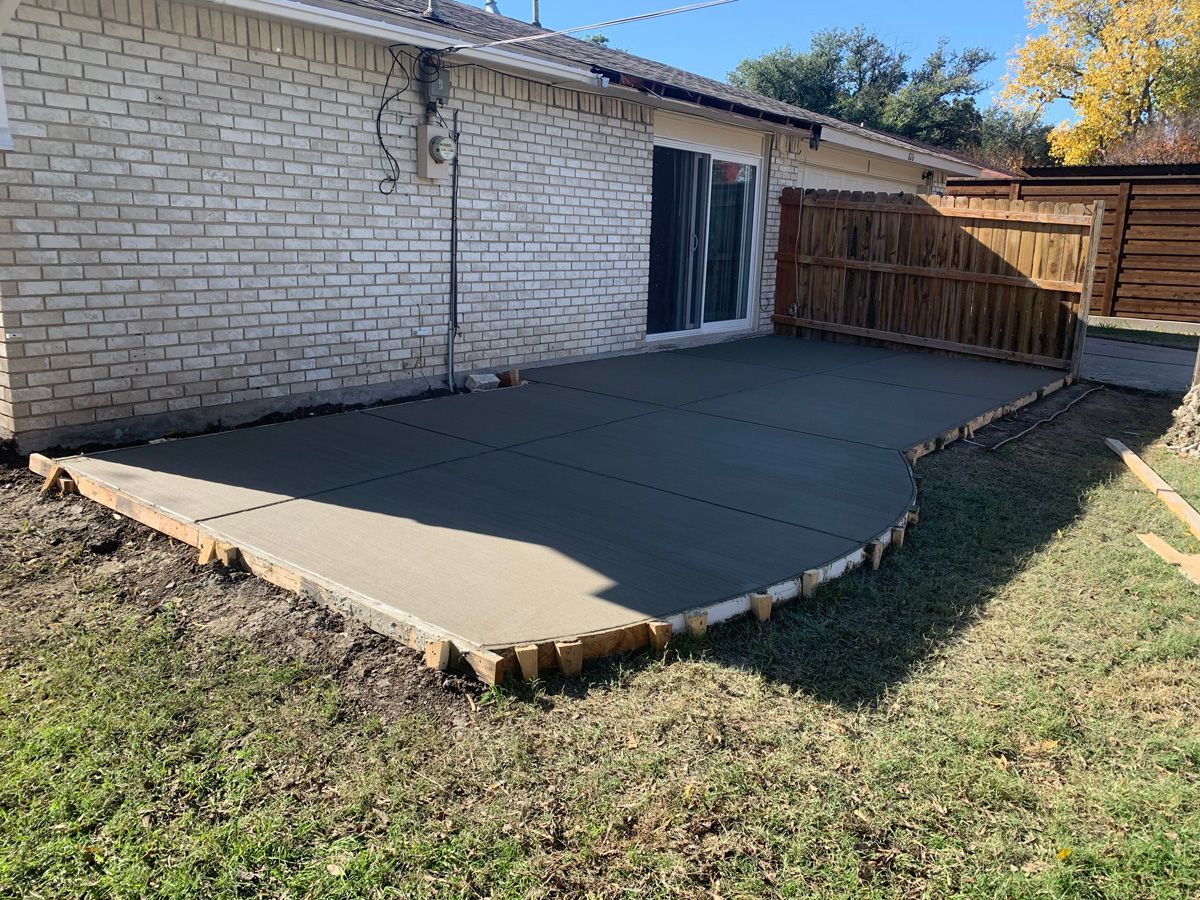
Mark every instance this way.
x=1003 y=279
x=1148 y=265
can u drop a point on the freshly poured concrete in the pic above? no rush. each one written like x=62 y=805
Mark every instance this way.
x=846 y=489
x=885 y=415
x=780 y=352
x=955 y=375
x=201 y=477
x=599 y=495
x=503 y=549
x=667 y=379
x=505 y=417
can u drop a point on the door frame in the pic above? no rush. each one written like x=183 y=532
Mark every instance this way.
x=754 y=284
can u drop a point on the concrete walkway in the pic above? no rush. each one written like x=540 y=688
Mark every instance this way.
x=1143 y=366
x=598 y=495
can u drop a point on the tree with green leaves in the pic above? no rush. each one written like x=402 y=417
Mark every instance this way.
x=845 y=74
x=1012 y=139
x=855 y=76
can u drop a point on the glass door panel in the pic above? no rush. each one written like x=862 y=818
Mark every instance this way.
x=730 y=241
x=679 y=213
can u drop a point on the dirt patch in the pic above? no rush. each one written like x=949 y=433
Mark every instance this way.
x=1017 y=424
x=1184 y=434
x=51 y=547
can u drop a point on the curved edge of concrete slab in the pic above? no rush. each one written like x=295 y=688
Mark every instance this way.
x=494 y=664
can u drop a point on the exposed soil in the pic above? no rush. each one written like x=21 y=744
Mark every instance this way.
x=1014 y=425
x=1184 y=435
x=50 y=544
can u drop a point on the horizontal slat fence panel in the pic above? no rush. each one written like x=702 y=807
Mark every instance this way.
x=1150 y=237
x=987 y=277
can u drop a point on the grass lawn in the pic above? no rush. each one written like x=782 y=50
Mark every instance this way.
x=1144 y=336
x=1010 y=707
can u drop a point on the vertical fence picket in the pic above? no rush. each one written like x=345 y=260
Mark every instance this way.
x=993 y=277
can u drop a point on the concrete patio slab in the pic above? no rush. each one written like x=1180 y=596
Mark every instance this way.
x=847 y=489
x=955 y=375
x=884 y=415
x=669 y=378
x=609 y=508
x=801 y=357
x=507 y=417
x=504 y=549
x=211 y=475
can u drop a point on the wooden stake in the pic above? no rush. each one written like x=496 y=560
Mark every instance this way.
x=875 y=553
x=527 y=659
x=437 y=655
x=212 y=550
x=208 y=551
x=51 y=480
x=491 y=668
x=897 y=536
x=66 y=485
x=696 y=623
x=809 y=581
x=660 y=634
x=761 y=604
x=570 y=657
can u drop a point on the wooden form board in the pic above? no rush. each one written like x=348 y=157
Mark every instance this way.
x=1001 y=279
x=1148 y=265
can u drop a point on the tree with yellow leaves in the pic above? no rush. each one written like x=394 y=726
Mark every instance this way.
x=1122 y=64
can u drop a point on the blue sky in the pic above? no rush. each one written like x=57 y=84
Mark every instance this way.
x=713 y=41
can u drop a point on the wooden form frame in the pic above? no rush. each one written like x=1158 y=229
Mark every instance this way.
x=442 y=650
x=1000 y=279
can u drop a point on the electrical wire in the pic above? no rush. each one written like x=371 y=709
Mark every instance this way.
x=391 y=177
x=995 y=447
x=548 y=34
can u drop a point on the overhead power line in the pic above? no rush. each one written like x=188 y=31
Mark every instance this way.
x=549 y=34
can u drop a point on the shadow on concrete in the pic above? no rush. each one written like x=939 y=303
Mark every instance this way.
x=500 y=545
x=983 y=516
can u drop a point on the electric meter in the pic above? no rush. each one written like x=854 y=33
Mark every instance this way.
x=442 y=148
x=433 y=162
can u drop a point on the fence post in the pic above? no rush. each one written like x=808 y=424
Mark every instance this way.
x=1085 y=296
x=1120 y=218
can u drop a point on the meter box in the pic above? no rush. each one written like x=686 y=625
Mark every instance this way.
x=435 y=152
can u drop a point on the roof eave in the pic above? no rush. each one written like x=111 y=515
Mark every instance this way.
x=906 y=153
x=394 y=29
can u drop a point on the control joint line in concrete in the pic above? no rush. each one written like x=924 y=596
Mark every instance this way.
x=662 y=490
x=816 y=434
x=494 y=447
x=341 y=487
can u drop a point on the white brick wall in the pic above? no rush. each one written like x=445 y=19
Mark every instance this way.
x=191 y=220
x=191 y=230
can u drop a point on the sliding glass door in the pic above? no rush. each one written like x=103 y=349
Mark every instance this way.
x=701 y=241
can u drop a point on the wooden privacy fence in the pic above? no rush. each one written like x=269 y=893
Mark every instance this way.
x=997 y=278
x=1149 y=261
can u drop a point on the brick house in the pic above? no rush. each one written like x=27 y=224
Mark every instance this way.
x=195 y=230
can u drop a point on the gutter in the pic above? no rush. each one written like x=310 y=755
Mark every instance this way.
x=915 y=155
x=382 y=28
x=664 y=91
